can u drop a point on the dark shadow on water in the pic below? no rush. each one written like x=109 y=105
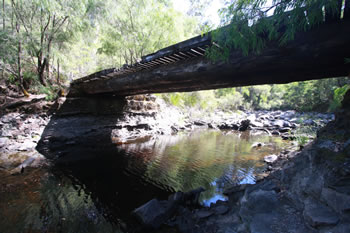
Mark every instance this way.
x=78 y=142
x=104 y=182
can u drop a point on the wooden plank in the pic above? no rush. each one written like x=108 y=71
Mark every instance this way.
x=149 y=64
x=200 y=48
x=181 y=57
x=192 y=54
x=162 y=62
x=174 y=58
x=183 y=54
x=169 y=59
x=143 y=65
x=195 y=51
x=166 y=61
x=180 y=47
x=154 y=63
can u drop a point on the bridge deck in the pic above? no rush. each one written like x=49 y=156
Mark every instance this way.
x=315 y=54
x=185 y=50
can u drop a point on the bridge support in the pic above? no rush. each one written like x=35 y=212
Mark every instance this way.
x=81 y=129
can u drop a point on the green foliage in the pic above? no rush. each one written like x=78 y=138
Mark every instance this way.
x=317 y=95
x=338 y=97
x=304 y=133
x=204 y=100
x=84 y=36
x=49 y=91
x=302 y=140
x=141 y=27
x=250 y=26
x=12 y=79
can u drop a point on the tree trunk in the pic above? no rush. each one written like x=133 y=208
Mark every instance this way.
x=3 y=15
x=58 y=73
x=47 y=65
x=19 y=63
x=41 y=70
x=3 y=28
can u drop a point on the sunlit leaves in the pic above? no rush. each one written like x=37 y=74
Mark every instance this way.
x=254 y=22
x=141 y=27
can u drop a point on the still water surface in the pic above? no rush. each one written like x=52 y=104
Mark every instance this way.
x=98 y=195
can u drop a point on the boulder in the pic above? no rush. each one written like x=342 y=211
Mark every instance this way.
x=261 y=223
x=309 y=122
x=237 y=188
x=258 y=201
x=257 y=145
x=3 y=142
x=337 y=201
x=327 y=144
x=192 y=197
x=221 y=209
x=244 y=125
x=317 y=214
x=199 y=123
x=284 y=130
x=275 y=132
x=257 y=124
x=177 y=197
x=279 y=123
x=270 y=158
x=203 y=213
x=154 y=213
x=224 y=126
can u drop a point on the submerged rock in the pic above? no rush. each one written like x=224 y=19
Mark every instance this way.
x=270 y=158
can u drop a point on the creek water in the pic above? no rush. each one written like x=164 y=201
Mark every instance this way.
x=98 y=195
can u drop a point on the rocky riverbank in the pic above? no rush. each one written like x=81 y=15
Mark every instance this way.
x=19 y=136
x=147 y=116
x=305 y=191
x=141 y=116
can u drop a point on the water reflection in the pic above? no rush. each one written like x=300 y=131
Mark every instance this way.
x=98 y=195
x=43 y=201
x=211 y=159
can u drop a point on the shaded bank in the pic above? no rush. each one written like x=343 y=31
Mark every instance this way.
x=308 y=191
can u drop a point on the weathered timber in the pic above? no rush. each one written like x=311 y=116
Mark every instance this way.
x=315 y=54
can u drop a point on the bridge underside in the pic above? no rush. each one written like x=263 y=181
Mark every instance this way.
x=316 y=54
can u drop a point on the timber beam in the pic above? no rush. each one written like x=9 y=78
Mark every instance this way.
x=315 y=54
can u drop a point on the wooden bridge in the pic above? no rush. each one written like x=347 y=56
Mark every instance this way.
x=315 y=54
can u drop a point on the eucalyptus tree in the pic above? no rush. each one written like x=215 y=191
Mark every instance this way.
x=136 y=28
x=47 y=24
